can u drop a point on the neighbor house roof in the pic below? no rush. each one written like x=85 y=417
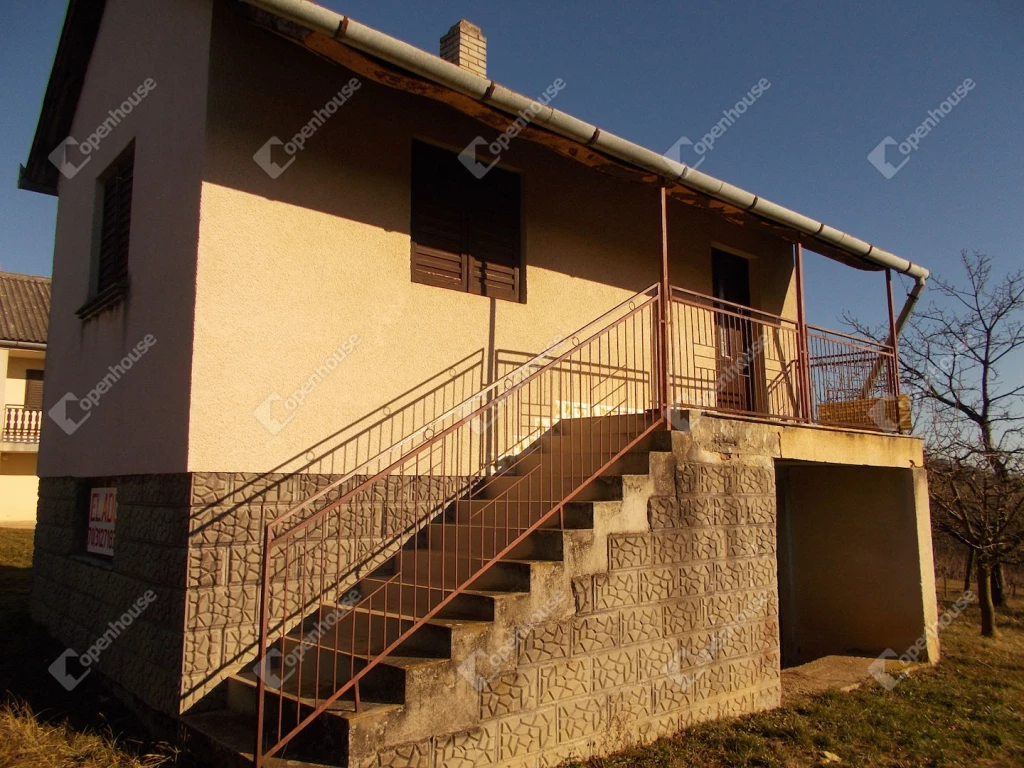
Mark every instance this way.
x=24 y=308
x=394 y=63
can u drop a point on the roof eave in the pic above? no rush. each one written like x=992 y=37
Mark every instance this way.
x=343 y=29
x=63 y=90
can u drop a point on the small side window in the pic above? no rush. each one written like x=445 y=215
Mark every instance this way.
x=113 y=234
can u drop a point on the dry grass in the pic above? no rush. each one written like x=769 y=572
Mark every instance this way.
x=41 y=724
x=28 y=742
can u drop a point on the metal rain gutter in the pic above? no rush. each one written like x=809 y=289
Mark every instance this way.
x=413 y=59
x=9 y=344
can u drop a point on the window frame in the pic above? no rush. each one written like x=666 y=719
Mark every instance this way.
x=112 y=293
x=465 y=198
x=30 y=376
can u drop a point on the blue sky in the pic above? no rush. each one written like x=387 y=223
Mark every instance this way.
x=843 y=77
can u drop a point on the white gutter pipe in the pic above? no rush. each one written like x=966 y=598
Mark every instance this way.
x=327 y=22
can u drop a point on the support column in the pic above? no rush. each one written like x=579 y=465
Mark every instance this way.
x=803 y=353
x=895 y=369
x=664 y=345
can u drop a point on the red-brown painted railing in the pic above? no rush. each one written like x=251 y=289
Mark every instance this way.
x=853 y=381
x=21 y=424
x=734 y=359
x=369 y=559
x=467 y=489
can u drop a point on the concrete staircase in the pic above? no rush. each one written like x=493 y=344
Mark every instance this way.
x=430 y=685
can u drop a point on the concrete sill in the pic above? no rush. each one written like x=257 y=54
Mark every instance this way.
x=94 y=560
x=109 y=297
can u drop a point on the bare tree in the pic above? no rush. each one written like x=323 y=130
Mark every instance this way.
x=955 y=358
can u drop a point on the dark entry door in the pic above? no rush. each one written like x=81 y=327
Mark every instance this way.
x=734 y=383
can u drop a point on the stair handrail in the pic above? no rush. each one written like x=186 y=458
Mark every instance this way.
x=649 y=417
x=653 y=290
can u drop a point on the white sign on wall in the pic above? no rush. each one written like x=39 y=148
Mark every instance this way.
x=102 y=515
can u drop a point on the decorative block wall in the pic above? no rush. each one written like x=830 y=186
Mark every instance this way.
x=196 y=541
x=682 y=628
x=77 y=597
x=228 y=517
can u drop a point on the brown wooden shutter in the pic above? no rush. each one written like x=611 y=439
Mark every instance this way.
x=465 y=231
x=34 y=390
x=493 y=236
x=438 y=253
x=116 y=224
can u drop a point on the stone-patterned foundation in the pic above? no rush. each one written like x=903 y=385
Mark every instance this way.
x=682 y=628
x=77 y=596
x=196 y=540
x=229 y=514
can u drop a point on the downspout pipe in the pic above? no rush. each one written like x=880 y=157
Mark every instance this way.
x=344 y=29
x=911 y=302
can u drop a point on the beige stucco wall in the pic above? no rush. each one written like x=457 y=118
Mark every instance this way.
x=19 y=488
x=290 y=268
x=18 y=362
x=19 y=485
x=856 y=570
x=141 y=425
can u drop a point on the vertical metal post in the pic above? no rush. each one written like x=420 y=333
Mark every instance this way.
x=895 y=370
x=803 y=362
x=261 y=688
x=663 y=324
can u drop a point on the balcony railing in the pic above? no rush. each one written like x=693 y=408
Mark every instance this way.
x=731 y=358
x=21 y=424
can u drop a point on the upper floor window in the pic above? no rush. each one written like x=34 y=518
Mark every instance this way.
x=112 y=232
x=465 y=230
x=115 y=224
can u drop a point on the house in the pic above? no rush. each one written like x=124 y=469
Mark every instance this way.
x=403 y=419
x=24 y=313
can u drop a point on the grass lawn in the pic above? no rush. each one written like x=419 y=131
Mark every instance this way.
x=969 y=711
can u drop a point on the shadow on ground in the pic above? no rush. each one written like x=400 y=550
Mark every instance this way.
x=27 y=651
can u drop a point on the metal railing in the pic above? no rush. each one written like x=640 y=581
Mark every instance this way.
x=460 y=494
x=352 y=572
x=852 y=381
x=732 y=358
x=21 y=424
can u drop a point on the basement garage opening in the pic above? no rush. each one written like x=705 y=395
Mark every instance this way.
x=854 y=563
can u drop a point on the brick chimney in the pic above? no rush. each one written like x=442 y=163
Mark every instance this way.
x=464 y=46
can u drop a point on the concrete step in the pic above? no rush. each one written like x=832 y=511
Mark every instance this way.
x=557 y=468
x=474 y=604
x=502 y=576
x=367 y=632
x=536 y=488
x=383 y=686
x=487 y=541
x=634 y=423
x=576 y=514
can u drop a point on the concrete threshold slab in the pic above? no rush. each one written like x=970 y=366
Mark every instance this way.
x=843 y=673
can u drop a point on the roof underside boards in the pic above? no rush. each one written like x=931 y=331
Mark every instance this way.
x=388 y=74
x=383 y=59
